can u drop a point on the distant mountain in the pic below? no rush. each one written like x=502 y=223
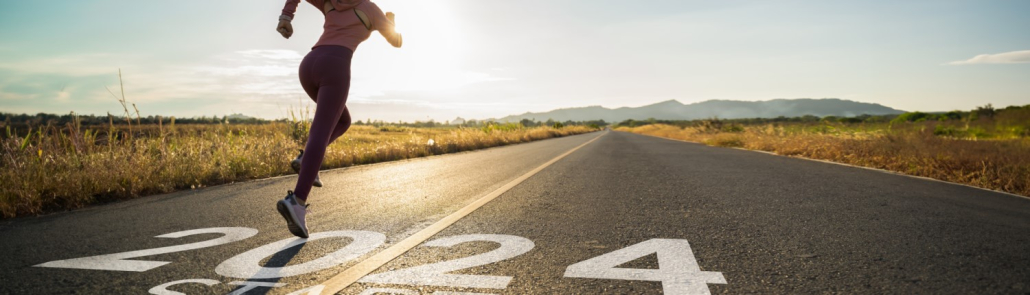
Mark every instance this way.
x=723 y=109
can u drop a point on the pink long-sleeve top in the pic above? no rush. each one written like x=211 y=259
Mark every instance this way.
x=342 y=25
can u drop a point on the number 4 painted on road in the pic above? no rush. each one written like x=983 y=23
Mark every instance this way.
x=677 y=268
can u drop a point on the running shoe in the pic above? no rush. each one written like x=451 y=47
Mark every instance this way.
x=295 y=164
x=294 y=214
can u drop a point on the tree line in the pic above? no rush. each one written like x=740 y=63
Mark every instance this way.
x=987 y=111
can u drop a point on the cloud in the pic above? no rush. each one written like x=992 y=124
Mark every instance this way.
x=1014 y=57
x=75 y=65
x=16 y=96
x=272 y=54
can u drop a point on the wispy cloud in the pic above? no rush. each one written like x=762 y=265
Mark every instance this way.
x=4 y=95
x=251 y=81
x=1014 y=57
x=73 y=65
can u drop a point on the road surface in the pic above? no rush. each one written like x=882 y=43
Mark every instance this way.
x=599 y=213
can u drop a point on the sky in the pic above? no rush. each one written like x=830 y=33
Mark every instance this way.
x=491 y=58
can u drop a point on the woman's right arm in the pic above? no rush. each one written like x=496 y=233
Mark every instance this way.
x=385 y=25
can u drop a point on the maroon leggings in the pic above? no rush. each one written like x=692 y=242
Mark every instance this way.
x=325 y=76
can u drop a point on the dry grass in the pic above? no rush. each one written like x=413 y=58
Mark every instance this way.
x=58 y=168
x=917 y=149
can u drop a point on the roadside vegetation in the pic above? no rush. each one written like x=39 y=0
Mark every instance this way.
x=986 y=147
x=54 y=163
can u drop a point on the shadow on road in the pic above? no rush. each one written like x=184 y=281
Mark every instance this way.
x=277 y=261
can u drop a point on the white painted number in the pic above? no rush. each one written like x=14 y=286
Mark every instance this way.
x=247 y=265
x=118 y=261
x=163 y=288
x=677 y=268
x=436 y=274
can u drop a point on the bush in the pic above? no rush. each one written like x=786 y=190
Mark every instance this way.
x=942 y=130
x=725 y=140
x=733 y=128
x=952 y=115
x=852 y=120
x=911 y=117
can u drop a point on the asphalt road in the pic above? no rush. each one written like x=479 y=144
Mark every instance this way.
x=623 y=214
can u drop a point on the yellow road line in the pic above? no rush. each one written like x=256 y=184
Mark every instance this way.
x=363 y=268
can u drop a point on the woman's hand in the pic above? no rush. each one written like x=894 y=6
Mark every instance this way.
x=285 y=28
x=389 y=31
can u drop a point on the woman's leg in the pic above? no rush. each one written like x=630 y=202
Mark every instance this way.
x=341 y=126
x=327 y=74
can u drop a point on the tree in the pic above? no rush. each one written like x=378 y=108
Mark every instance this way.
x=986 y=111
x=952 y=115
x=527 y=123
x=911 y=117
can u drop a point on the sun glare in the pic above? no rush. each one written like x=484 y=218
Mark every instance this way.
x=433 y=47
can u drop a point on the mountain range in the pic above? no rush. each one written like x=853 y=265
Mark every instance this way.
x=723 y=109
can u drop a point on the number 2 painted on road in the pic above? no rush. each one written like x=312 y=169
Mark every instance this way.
x=436 y=274
x=119 y=262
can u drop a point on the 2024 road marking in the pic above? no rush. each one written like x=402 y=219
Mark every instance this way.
x=678 y=269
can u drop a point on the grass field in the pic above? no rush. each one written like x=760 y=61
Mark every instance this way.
x=62 y=167
x=989 y=152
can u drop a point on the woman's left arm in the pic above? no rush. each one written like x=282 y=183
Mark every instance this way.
x=285 y=26
x=289 y=10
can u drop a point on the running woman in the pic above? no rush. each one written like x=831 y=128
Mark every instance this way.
x=325 y=76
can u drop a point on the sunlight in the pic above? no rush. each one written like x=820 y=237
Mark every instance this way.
x=433 y=48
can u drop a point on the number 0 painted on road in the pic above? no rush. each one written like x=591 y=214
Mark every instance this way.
x=677 y=267
x=247 y=265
